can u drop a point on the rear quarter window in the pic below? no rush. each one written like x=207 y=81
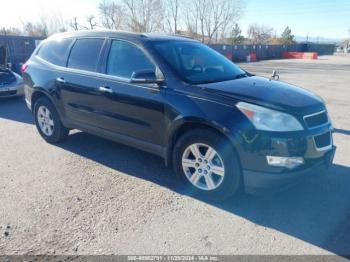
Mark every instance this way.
x=55 y=51
x=85 y=54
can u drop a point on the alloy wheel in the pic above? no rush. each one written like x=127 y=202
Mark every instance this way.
x=203 y=166
x=45 y=120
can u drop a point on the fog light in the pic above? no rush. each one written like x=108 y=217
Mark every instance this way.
x=288 y=162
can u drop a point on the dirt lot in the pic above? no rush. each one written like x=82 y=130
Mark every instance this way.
x=92 y=196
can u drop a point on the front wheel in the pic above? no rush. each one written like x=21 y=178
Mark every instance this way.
x=48 y=122
x=208 y=164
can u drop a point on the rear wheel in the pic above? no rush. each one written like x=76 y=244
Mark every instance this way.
x=48 y=122
x=208 y=164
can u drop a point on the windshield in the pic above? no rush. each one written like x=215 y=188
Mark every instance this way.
x=197 y=63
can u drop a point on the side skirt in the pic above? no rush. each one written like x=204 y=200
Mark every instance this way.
x=121 y=139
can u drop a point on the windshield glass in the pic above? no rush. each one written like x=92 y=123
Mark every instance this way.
x=197 y=63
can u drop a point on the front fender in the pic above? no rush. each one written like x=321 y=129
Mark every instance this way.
x=183 y=124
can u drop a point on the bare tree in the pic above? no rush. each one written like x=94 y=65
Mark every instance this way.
x=45 y=26
x=145 y=15
x=111 y=14
x=211 y=18
x=55 y=23
x=207 y=20
x=74 y=24
x=36 y=29
x=195 y=18
x=10 y=31
x=230 y=18
x=201 y=6
x=259 y=33
x=214 y=18
x=191 y=20
x=172 y=8
x=91 y=22
x=221 y=15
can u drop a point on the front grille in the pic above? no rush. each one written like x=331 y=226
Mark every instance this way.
x=8 y=93
x=316 y=120
x=323 y=141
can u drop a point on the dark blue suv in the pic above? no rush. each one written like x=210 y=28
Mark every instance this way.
x=220 y=127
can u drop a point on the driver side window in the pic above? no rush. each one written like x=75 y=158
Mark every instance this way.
x=125 y=58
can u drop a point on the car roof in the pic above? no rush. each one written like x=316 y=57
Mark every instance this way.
x=122 y=34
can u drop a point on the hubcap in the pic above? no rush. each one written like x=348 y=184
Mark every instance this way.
x=45 y=120
x=203 y=166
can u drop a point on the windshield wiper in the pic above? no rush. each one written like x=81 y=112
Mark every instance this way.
x=209 y=81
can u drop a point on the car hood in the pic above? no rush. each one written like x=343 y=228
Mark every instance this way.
x=266 y=92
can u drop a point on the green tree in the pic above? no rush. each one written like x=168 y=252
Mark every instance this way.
x=287 y=37
x=236 y=35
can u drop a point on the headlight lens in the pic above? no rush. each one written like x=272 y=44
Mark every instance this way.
x=269 y=120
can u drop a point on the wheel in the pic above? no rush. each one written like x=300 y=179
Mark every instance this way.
x=48 y=122
x=208 y=164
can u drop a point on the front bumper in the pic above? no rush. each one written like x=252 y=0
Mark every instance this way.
x=261 y=181
x=255 y=146
x=12 y=90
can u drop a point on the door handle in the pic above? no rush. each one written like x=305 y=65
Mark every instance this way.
x=105 y=89
x=60 y=80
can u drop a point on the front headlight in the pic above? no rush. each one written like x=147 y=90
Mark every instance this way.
x=269 y=120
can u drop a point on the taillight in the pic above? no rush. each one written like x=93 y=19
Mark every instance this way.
x=24 y=68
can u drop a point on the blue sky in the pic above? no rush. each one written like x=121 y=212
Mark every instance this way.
x=319 y=18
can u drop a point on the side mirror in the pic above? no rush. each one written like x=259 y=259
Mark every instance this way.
x=275 y=76
x=146 y=77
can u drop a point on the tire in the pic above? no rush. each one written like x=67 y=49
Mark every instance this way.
x=222 y=186
x=54 y=133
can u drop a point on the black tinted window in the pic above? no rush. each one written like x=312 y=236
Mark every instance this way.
x=125 y=58
x=54 y=51
x=85 y=54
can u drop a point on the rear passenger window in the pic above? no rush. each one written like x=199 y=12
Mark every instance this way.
x=125 y=58
x=55 y=51
x=85 y=54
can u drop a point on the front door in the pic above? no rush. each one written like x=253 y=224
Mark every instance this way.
x=134 y=110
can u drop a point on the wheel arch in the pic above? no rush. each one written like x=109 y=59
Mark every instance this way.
x=37 y=94
x=185 y=125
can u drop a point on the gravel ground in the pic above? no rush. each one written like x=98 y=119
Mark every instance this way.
x=92 y=196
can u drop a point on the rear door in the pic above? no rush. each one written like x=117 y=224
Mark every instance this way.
x=79 y=84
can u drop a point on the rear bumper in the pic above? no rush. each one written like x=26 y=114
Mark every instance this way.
x=259 y=181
